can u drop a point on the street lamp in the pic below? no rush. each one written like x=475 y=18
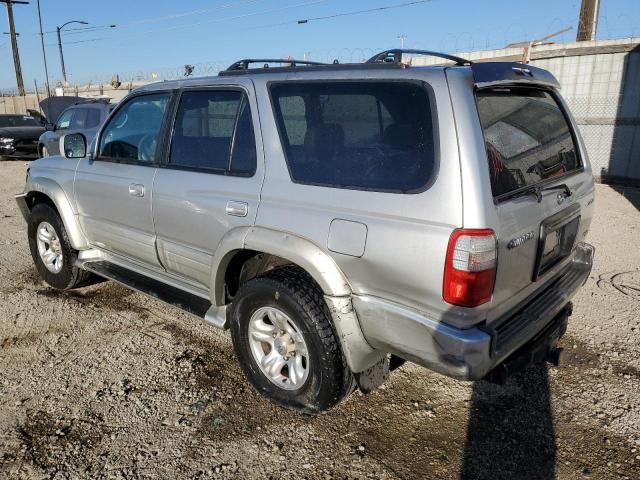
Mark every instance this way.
x=59 y=29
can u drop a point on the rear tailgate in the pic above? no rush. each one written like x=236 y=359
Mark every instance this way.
x=525 y=175
x=540 y=185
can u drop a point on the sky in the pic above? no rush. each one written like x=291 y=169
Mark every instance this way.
x=163 y=36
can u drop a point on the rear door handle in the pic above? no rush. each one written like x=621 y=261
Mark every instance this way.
x=136 y=190
x=237 y=209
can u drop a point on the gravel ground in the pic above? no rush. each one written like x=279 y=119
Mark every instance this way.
x=105 y=383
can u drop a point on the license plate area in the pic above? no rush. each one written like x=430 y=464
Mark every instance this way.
x=557 y=238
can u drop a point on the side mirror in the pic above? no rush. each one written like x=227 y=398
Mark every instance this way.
x=73 y=145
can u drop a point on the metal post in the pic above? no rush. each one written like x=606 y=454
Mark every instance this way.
x=588 y=20
x=59 y=30
x=64 y=74
x=35 y=83
x=44 y=54
x=14 y=43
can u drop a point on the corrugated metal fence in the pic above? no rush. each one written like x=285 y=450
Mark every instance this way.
x=602 y=89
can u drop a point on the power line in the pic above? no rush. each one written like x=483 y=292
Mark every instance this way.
x=264 y=12
x=190 y=13
x=216 y=20
x=173 y=16
x=359 y=12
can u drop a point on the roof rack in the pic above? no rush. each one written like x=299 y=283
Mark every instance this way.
x=95 y=100
x=243 y=65
x=395 y=56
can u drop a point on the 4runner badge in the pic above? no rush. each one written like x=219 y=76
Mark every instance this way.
x=516 y=242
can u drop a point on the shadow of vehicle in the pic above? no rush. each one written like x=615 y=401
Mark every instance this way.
x=510 y=433
x=632 y=195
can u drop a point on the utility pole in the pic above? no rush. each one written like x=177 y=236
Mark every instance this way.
x=588 y=20
x=14 y=43
x=64 y=73
x=44 y=54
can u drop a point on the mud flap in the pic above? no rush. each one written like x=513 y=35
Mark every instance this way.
x=374 y=376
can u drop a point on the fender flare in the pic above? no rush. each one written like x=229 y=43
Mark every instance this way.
x=298 y=250
x=62 y=203
x=322 y=268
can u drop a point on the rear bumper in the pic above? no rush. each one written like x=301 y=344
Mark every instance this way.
x=472 y=353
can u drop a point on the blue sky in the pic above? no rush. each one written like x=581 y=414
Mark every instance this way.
x=154 y=35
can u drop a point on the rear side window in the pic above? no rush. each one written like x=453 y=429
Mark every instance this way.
x=527 y=136
x=357 y=135
x=213 y=131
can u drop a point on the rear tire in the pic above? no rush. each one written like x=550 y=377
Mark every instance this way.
x=52 y=252
x=293 y=324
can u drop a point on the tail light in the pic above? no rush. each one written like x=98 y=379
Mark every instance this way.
x=470 y=267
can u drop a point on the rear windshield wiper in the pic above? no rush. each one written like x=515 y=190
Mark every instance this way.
x=562 y=186
x=534 y=190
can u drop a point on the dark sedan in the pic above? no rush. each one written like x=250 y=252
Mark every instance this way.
x=19 y=136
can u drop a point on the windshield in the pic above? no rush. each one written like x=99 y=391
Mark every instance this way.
x=18 y=121
x=527 y=137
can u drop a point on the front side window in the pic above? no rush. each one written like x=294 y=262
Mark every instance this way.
x=213 y=131
x=528 y=138
x=133 y=133
x=357 y=135
x=64 y=121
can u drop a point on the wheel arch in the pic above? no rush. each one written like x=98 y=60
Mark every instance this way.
x=243 y=244
x=44 y=190
x=240 y=244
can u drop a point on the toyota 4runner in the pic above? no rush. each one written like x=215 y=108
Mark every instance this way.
x=338 y=219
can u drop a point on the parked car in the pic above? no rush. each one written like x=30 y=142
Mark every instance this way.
x=19 y=136
x=338 y=219
x=84 y=117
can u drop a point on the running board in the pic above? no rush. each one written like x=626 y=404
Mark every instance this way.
x=185 y=301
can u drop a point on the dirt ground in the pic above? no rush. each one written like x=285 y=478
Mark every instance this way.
x=106 y=383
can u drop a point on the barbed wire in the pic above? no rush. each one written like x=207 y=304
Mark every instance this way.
x=610 y=28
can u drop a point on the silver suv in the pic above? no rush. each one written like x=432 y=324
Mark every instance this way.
x=338 y=219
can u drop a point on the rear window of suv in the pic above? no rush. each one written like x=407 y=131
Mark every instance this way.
x=357 y=135
x=527 y=136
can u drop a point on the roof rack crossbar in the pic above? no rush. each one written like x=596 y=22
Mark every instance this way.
x=395 y=56
x=246 y=62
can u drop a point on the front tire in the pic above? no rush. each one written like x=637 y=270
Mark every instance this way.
x=286 y=343
x=51 y=250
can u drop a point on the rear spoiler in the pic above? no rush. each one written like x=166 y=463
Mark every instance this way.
x=487 y=74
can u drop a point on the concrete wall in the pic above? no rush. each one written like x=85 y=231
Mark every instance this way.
x=16 y=104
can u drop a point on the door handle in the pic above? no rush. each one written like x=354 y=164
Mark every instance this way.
x=136 y=190
x=237 y=209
